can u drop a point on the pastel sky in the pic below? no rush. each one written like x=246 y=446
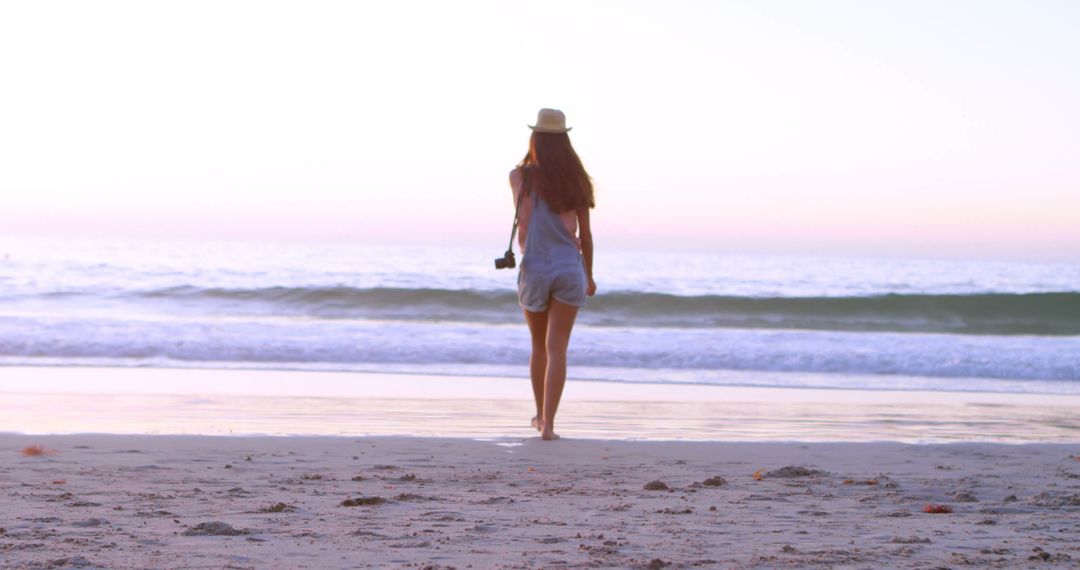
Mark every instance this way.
x=905 y=127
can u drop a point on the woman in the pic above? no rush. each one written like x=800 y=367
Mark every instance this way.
x=554 y=194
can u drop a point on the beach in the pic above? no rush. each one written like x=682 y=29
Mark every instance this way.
x=825 y=478
x=71 y=400
x=132 y=501
x=271 y=297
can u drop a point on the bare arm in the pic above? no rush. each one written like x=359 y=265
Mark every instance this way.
x=515 y=183
x=585 y=233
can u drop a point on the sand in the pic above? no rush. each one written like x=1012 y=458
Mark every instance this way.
x=137 y=501
x=268 y=402
x=781 y=478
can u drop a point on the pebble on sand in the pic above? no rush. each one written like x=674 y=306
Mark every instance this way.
x=363 y=501
x=214 y=528
x=714 y=481
x=793 y=471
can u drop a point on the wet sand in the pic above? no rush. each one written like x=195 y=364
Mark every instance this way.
x=248 y=402
x=782 y=478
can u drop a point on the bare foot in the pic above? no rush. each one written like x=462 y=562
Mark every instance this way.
x=549 y=436
x=536 y=423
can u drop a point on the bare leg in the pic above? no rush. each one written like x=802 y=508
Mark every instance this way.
x=538 y=324
x=560 y=322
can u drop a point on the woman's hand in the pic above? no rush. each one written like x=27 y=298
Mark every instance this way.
x=590 y=289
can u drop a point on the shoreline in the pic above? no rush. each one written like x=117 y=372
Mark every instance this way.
x=434 y=374
x=259 y=402
x=319 y=383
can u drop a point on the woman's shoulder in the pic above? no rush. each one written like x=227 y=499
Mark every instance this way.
x=517 y=176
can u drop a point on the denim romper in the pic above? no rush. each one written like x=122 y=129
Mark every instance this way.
x=552 y=266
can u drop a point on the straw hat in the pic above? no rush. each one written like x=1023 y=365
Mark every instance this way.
x=550 y=121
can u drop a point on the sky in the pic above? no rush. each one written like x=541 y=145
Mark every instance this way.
x=884 y=128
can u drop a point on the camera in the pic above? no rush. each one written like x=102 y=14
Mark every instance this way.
x=506 y=261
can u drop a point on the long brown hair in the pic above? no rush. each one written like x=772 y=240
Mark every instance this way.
x=553 y=169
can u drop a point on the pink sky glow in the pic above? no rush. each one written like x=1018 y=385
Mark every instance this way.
x=909 y=128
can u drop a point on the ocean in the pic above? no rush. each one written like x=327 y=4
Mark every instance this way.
x=687 y=318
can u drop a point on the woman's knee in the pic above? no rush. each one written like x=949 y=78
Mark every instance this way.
x=556 y=352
